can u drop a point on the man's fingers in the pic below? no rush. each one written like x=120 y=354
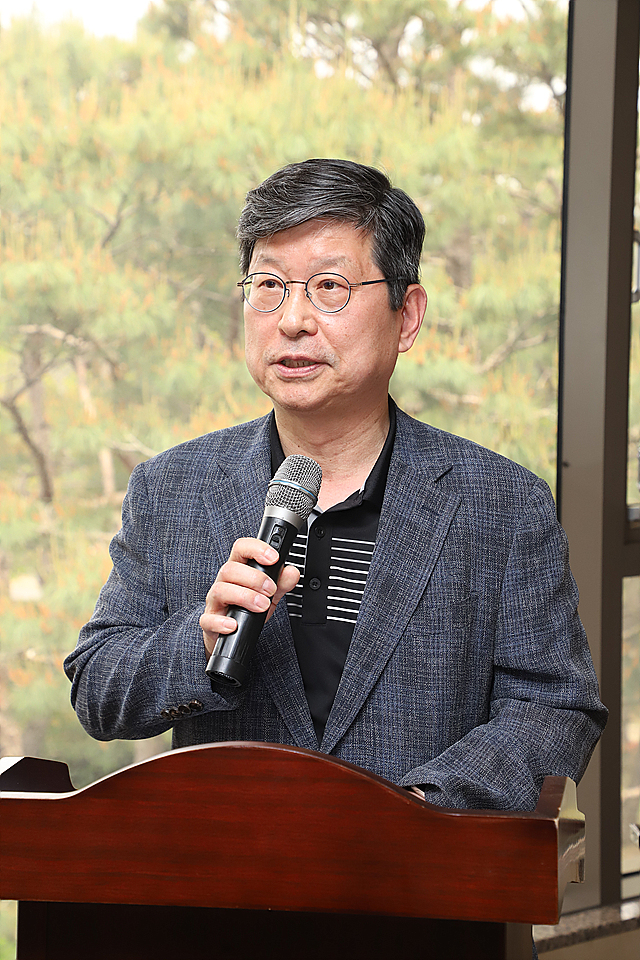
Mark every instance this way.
x=287 y=580
x=249 y=548
x=233 y=575
x=212 y=624
x=240 y=585
x=250 y=589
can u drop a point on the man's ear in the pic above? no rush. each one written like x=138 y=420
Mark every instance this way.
x=412 y=310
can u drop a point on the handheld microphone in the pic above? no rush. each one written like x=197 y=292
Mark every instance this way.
x=291 y=496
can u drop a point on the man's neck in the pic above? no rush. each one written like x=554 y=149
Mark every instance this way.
x=345 y=447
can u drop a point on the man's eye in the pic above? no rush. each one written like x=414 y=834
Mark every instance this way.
x=332 y=285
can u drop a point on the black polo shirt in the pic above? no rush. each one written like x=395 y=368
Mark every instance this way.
x=333 y=556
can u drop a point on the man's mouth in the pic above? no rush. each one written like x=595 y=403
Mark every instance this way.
x=290 y=362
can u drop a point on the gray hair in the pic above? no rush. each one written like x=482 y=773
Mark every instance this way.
x=345 y=192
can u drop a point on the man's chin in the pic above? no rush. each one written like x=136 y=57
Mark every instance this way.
x=298 y=394
x=299 y=404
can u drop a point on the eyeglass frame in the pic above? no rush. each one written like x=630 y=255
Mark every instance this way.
x=322 y=273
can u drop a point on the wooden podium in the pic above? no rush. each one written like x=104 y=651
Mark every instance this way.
x=253 y=850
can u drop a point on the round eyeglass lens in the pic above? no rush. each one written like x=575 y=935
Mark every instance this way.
x=328 y=291
x=264 y=291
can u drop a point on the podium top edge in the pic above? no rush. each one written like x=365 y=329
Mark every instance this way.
x=557 y=798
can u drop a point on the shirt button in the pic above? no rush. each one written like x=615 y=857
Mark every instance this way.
x=319 y=532
x=315 y=584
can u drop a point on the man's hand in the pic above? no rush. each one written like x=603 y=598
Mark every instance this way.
x=240 y=585
x=417 y=792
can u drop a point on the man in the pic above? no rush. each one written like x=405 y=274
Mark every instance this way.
x=433 y=636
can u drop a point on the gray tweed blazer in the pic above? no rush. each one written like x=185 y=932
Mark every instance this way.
x=468 y=672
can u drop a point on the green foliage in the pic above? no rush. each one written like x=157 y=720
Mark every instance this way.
x=8 y=925
x=122 y=172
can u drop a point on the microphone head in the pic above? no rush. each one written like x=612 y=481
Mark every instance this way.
x=295 y=486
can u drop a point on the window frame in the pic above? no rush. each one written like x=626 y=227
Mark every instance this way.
x=595 y=321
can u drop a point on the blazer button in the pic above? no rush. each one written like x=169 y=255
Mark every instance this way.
x=165 y=714
x=195 y=705
x=184 y=710
x=315 y=584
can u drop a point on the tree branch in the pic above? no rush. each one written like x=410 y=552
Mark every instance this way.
x=513 y=344
x=122 y=213
x=81 y=344
x=46 y=482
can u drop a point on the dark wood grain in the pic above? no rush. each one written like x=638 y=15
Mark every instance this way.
x=262 y=827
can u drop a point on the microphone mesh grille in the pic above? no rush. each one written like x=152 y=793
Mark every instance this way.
x=295 y=470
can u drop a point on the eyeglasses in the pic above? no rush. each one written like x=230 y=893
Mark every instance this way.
x=328 y=292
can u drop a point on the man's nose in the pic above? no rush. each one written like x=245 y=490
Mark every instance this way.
x=297 y=313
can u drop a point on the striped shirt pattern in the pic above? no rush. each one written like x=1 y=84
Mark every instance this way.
x=348 y=571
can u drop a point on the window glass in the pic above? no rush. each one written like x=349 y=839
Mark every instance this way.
x=631 y=726
x=633 y=472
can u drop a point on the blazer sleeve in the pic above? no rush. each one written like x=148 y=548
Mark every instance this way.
x=545 y=713
x=139 y=667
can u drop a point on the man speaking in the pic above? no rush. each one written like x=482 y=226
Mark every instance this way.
x=425 y=627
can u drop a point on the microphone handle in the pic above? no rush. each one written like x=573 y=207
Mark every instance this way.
x=229 y=662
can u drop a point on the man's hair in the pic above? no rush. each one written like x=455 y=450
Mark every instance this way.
x=344 y=192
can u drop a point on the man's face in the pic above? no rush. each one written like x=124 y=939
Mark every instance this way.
x=306 y=360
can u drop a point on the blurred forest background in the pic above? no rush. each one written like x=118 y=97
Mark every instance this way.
x=123 y=169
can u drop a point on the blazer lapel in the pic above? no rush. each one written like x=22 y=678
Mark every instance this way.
x=235 y=501
x=276 y=656
x=412 y=530
x=234 y=498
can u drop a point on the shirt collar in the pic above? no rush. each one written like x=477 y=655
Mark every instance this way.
x=375 y=484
